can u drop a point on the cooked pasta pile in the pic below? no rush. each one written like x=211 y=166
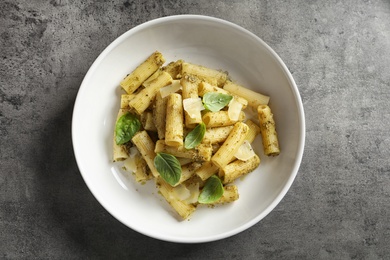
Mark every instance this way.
x=184 y=126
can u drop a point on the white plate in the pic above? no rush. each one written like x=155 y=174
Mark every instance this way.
x=202 y=40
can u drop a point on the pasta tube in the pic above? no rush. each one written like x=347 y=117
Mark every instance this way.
x=200 y=153
x=268 y=131
x=254 y=130
x=190 y=90
x=212 y=76
x=147 y=82
x=138 y=166
x=217 y=134
x=125 y=99
x=235 y=139
x=238 y=168
x=146 y=96
x=159 y=114
x=205 y=87
x=184 y=161
x=182 y=208
x=142 y=72
x=206 y=170
x=174 y=123
x=147 y=121
x=220 y=118
x=254 y=99
x=145 y=146
x=174 y=69
x=187 y=171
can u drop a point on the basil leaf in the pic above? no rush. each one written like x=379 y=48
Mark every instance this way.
x=214 y=101
x=169 y=167
x=126 y=127
x=194 y=137
x=212 y=190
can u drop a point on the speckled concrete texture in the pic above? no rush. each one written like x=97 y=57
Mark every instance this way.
x=339 y=204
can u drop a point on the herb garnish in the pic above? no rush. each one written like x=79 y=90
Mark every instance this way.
x=214 y=101
x=212 y=190
x=169 y=167
x=195 y=137
x=126 y=127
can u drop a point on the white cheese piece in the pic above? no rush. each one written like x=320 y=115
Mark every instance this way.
x=181 y=192
x=193 y=106
x=234 y=110
x=130 y=163
x=194 y=190
x=134 y=151
x=172 y=88
x=245 y=152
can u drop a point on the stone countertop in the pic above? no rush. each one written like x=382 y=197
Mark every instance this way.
x=337 y=208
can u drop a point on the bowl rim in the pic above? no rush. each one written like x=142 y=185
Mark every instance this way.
x=301 y=119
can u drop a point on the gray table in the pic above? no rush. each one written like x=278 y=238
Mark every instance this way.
x=338 y=206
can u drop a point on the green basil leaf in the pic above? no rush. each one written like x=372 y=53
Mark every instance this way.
x=212 y=190
x=214 y=101
x=169 y=167
x=195 y=137
x=126 y=127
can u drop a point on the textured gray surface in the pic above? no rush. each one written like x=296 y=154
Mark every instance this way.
x=339 y=54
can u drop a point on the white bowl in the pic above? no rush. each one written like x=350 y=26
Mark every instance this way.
x=202 y=40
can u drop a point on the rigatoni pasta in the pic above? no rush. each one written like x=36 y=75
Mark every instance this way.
x=125 y=99
x=159 y=114
x=238 y=168
x=254 y=130
x=254 y=99
x=235 y=139
x=268 y=131
x=132 y=81
x=136 y=164
x=207 y=170
x=201 y=153
x=183 y=208
x=214 y=77
x=147 y=121
x=220 y=118
x=174 y=68
x=146 y=97
x=174 y=120
x=190 y=91
x=188 y=131
x=145 y=146
x=217 y=134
